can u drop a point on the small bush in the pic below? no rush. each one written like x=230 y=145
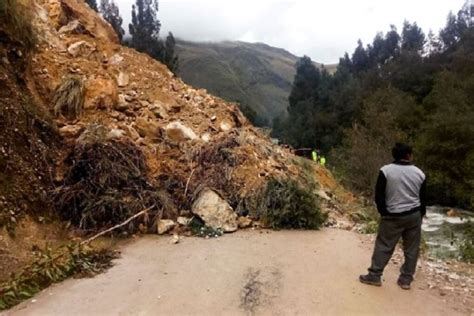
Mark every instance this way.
x=288 y=205
x=17 y=20
x=69 y=97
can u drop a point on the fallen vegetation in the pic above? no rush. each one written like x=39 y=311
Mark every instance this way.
x=286 y=204
x=52 y=266
x=107 y=182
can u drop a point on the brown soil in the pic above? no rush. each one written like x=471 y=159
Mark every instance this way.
x=246 y=273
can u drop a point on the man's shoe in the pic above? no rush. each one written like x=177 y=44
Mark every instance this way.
x=404 y=284
x=370 y=279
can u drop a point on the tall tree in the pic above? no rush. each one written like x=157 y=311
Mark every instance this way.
x=111 y=14
x=360 y=58
x=170 y=58
x=413 y=38
x=145 y=28
x=93 y=5
x=305 y=83
x=455 y=27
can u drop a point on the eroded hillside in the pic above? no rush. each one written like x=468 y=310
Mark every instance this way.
x=114 y=133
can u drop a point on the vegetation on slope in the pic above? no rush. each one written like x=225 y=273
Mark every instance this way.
x=402 y=87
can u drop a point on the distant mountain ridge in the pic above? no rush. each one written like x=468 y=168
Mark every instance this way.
x=256 y=75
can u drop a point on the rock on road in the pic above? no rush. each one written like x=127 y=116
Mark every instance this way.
x=245 y=273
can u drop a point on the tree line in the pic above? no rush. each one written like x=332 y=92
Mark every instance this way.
x=144 y=29
x=408 y=87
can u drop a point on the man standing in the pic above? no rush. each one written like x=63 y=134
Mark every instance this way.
x=401 y=202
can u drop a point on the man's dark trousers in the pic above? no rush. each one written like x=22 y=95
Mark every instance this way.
x=390 y=230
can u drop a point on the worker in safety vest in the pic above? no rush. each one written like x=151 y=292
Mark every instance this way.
x=314 y=155
x=322 y=161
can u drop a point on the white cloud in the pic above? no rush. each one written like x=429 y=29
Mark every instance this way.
x=322 y=29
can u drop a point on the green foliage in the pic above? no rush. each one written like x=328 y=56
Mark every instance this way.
x=395 y=89
x=413 y=38
x=145 y=31
x=17 y=21
x=286 y=204
x=466 y=248
x=369 y=218
x=446 y=140
x=69 y=97
x=51 y=267
x=170 y=58
x=199 y=229
x=367 y=145
x=111 y=14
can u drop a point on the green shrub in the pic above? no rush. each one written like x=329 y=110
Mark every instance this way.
x=288 y=205
x=16 y=18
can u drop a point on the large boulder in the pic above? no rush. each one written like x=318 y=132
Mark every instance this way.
x=215 y=211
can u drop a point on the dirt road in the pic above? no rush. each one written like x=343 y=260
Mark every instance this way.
x=246 y=273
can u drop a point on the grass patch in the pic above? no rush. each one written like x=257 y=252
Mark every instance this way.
x=17 y=18
x=69 y=97
x=51 y=267
x=286 y=204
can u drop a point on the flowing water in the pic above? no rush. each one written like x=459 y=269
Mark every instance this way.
x=443 y=230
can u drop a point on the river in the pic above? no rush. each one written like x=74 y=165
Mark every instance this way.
x=443 y=231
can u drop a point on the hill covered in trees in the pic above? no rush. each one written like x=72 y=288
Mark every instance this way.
x=406 y=86
x=256 y=75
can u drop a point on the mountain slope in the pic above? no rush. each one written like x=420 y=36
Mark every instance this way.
x=255 y=75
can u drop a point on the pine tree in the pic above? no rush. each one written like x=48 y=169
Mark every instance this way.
x=170 y=58
x=111 y=14
x=93 y=5
x=145 y=28
x=360 y=58
x=413 y=38
x=306 y=81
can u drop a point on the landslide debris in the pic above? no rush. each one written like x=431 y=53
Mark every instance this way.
x=137 y=137
x=133 y=136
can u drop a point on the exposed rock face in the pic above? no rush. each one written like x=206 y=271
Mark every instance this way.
x=90 y=20
x=215 y=211
x=178 y=132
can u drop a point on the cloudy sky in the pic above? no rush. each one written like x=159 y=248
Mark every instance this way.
x=321 y=29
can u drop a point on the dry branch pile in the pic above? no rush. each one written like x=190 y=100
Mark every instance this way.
x=107 y=183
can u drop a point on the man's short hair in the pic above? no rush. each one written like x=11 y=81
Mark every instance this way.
x=401 y=151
